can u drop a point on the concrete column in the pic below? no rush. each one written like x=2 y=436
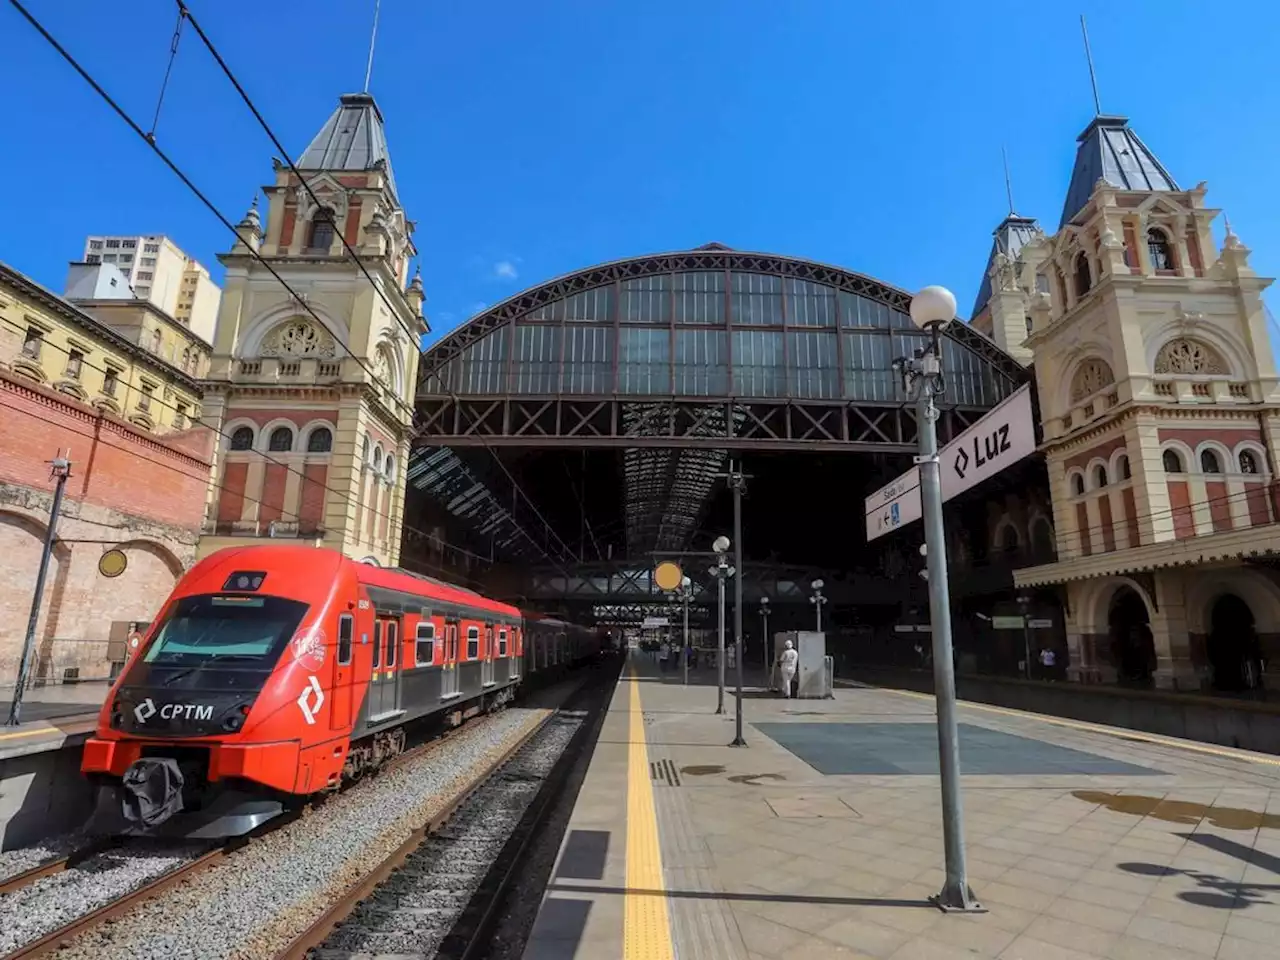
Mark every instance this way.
x=292 y=490
x=1119 y=520
x=1176 y=668
x=1065 y=528
x=253 y=489
x=1237 y=500
x=1150 y=487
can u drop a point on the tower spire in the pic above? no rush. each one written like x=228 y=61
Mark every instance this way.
x=1008 y=183
x=373 y=39
x=1093 y=79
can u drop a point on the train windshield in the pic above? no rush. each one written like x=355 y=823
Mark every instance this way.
x=226 y=641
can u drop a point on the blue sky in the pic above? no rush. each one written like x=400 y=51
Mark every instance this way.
x=531 y=140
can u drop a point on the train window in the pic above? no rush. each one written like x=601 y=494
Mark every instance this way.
x=346 y=624
x=473 y=643
x=502 y=642
x=425 y=651
x=377 y=644
x=392 y=633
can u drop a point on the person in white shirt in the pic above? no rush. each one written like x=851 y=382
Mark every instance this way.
x=1048 y=660
x=788 y=660
x=664 y=652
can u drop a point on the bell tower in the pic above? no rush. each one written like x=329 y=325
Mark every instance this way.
x=311 y=379
x=1160 y=402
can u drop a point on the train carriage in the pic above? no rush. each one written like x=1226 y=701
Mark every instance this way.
x=276 y=672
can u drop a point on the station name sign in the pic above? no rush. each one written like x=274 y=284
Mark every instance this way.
x=1000 y=439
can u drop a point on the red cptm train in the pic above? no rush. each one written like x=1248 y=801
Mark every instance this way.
x=277 y=672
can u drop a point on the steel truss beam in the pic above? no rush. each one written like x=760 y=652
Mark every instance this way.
x=631 y=581
x=681 y=423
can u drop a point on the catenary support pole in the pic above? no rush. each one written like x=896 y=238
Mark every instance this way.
x=736 y=480
x=60 y=471
x=955 y=894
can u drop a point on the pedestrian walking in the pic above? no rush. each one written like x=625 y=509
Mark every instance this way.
x=788 y=660
x=1048 y=659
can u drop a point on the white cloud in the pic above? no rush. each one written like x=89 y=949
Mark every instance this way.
x=505 y=270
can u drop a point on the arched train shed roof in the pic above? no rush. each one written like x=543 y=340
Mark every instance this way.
x=676 y=358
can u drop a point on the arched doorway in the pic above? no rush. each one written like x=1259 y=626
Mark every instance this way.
x=1132 y=645
x=1234 y=651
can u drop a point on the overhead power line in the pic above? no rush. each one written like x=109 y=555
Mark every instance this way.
x=200 y=195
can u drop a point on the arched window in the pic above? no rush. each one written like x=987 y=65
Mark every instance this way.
x=1210 y=462
x=1009 y=539
x=186 y=359
x=1159 y=250
x=321 y=238
x=1126 y=472
x=156 y=338
x=320 y=440
x=242 y=438
x=281 y=440
x=1077 y=484
x=389 y=468
x=1172 y=462
x=1248 y=462
x=1100 y=476
x=377 y=458
x=1083 y=280
x=364 y=450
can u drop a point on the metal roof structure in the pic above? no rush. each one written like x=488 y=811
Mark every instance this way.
x=353 y=138
x=673 y=362
x=1009 y=238
x=1110 y=151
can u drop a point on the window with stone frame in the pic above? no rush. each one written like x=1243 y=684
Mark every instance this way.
x=1091 y=376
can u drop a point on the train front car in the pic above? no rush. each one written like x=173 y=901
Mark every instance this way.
x=221 y=714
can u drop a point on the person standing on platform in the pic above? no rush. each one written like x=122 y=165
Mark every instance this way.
x=788 y=660
x=664 y=653
x=1048 y=660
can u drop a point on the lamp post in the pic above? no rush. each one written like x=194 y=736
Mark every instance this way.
x=931 y=310
x=686 y=588
x=1024 y=607
x=818 y=600
x=60 y=470
x=721 y=571
x=764 y=616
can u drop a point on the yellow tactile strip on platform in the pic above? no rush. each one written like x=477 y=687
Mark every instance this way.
x=646 y=924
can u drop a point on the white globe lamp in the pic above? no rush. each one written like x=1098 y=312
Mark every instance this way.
x=933 y=306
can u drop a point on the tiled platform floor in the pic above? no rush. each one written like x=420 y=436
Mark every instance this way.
x=1101 y=847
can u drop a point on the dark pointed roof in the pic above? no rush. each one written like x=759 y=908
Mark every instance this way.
x=352 y=139
x=1110 y=151
x=1010 y=237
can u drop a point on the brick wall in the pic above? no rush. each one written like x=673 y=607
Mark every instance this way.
x=128 y=490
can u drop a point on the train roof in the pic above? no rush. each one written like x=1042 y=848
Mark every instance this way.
x=392 y=578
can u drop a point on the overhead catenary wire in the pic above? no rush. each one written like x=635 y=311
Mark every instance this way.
x=413 y=336
x=190 y=185
x=344 y=498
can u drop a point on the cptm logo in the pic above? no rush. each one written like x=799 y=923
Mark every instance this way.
x=172 y=711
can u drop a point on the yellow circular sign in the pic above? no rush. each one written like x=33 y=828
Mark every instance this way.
x=112 y=563
x=668 y=575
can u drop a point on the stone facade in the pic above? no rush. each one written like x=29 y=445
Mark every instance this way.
x=129 y=491
x=313 y=397
x=1160 y=401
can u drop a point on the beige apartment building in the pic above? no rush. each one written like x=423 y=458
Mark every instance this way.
x=159 y=272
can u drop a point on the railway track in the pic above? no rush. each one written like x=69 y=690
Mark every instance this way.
x=439 y=893
x=99 y=855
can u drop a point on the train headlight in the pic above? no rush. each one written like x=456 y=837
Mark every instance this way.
x=233 y=722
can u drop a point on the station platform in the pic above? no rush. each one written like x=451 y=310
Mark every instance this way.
x=822 y=837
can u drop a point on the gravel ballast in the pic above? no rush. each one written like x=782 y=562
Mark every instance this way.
x=256 y=901
x=412 y=913
x=39 y=908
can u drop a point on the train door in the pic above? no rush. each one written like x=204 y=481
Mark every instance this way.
x=343 y=674
x=449 y=681
x=384 y=683
x=486 y=665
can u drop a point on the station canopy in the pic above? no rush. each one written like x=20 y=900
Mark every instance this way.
x=592 y=415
